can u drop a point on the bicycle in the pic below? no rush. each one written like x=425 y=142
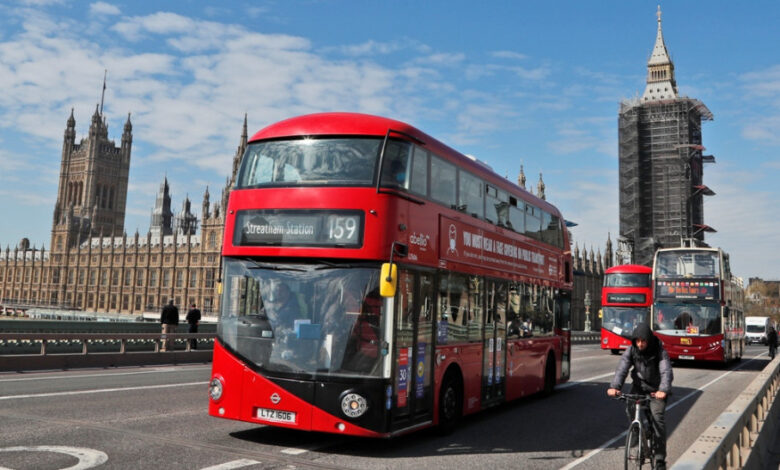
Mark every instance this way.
x=641 y=438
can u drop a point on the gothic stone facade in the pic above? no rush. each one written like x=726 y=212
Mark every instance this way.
x=93 y=265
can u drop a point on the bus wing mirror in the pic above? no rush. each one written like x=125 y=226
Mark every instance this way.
x=388 y=280
x=400 y=249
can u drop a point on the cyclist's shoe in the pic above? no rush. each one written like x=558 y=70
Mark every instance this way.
x=660 y=465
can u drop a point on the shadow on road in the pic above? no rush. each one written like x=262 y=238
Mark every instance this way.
x=573 y=420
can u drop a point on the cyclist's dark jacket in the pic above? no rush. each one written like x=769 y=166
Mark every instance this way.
x=652 y=369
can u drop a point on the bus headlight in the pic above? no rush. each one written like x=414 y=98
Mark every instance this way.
x=353 y=405
x=215 y=389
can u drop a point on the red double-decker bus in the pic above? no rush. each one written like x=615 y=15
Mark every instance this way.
x=378 y=282
x=625 y=302
x=698 y=305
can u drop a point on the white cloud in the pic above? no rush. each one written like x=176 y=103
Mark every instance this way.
x=746 y=220
x=586 y=134
x=42 y=3
x=9 y=163
x=591 y=201
x=765 y=83
x=763 y=128
x=104 y=9
x=373 y=48
x=508 y=55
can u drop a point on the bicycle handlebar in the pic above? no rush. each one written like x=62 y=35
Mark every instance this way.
x=634 y=397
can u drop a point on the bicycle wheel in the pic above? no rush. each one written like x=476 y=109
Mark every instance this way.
x=633 y=447
x=651 y=446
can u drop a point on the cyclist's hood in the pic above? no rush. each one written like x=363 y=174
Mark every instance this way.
x=643 y=331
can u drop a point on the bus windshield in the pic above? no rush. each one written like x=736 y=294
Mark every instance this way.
x=303 y=319
x=623 y=320
x=349 y=161
x=686 y=264
x=686 y=318
x=627 y=280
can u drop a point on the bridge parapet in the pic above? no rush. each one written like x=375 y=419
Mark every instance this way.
x=743 y=435
x=45 y=351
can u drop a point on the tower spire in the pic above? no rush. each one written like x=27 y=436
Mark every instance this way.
x=103 y=94
x=661 y=84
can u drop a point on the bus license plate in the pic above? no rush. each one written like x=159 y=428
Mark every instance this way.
x=276 y=416
x=690 y=358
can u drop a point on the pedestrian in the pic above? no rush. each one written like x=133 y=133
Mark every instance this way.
x=193 y=318
x=771 y=340
x=169 y=319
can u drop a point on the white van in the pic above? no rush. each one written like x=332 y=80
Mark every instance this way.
x=756 y=328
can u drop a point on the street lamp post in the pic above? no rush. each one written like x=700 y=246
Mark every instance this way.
x=587 y=310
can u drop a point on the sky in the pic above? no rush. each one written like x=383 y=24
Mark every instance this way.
x=513 y=83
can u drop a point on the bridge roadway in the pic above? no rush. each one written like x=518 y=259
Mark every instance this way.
x=155 y=417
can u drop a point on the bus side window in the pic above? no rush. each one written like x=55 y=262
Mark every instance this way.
x=470 y=195
x=419 y=182
x=443 y=187
x=513 y=312
x=476 y=296
x=396 y=165
x=516 y=215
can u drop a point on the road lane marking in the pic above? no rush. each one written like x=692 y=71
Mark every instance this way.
x=234 y=464
x=88 y=458
x=671 y=405
x=294 y=451
x=580 y=382
x=107 y=374
x=103 y=390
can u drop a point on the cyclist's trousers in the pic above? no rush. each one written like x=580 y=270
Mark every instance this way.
x=658 y=412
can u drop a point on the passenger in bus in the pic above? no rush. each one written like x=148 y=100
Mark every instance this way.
x=683 y=321
x=282 y=312
x=513 y=315
x=396 y=172
x=335 y=324
x=527 y=328
x=285 y=305
x=363 y=346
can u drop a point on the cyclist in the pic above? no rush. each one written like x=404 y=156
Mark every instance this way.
x=771 y=340
x=652 y=375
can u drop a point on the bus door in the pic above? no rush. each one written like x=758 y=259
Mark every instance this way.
x=494 y=345
x=412 y=400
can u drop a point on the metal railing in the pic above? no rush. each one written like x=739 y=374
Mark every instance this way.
x=36 y=351
x=743 y=435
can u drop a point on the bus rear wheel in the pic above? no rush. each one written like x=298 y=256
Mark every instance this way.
x=549 y=376
x=450 y=403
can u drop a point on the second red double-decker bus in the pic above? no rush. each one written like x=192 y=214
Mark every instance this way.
x=698 y=305
x=625 y=302
x=377 y=282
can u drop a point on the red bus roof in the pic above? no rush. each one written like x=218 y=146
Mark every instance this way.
x=629 y=269
x=342 y=123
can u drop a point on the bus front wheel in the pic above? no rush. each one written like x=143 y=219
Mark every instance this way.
x=450 y=403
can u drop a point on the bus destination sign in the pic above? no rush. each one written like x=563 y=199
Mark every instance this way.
x=698 y=289
x=342 y=229
x=617 y=298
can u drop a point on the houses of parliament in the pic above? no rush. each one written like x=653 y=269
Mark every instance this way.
x=92 y=264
